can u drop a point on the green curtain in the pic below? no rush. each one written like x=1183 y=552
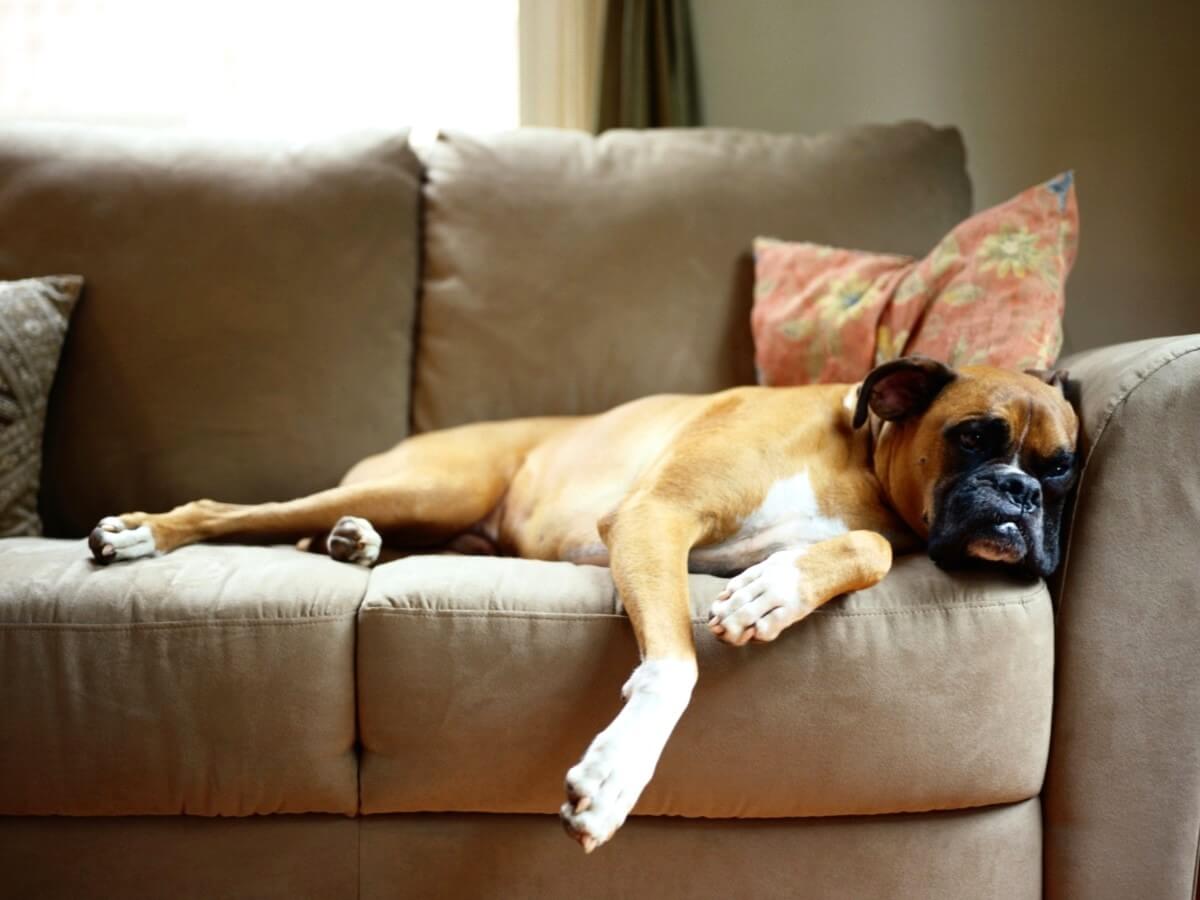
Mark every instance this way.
x=647 y=66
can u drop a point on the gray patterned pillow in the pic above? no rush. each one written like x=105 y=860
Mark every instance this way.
x=33 y=322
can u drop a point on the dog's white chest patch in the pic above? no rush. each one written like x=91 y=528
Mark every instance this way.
x=788 y=517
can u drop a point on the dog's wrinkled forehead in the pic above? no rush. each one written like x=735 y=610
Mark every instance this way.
x=923 y=397
x=1040 y=420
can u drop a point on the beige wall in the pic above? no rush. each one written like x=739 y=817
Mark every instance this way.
x=1109 y=89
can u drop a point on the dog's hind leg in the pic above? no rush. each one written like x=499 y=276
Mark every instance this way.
x=349 y=514
x=427 y=490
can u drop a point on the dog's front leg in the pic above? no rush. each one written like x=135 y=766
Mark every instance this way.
x=648 y=541
x=790 y=584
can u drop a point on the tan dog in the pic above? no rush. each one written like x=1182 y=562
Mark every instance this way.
x=782 y=485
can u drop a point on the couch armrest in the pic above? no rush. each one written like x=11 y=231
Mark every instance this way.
x=1122 y=797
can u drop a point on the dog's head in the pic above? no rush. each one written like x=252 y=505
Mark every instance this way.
x=978 y=461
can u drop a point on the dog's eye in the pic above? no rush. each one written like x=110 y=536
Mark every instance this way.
x=979 y=438
x=1058 y=468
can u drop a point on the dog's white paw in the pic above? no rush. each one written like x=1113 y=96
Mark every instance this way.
x=354 y=540
x=112 y=540
x=761 y=602
x=603 y=787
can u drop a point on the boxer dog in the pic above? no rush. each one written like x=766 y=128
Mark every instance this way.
x=802 y=492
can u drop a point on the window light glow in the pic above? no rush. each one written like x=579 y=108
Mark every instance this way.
x=261 y=65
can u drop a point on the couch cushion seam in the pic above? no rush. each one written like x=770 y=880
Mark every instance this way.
x=1196 y=870
x=175 y=624
x=770 y=817
x=388 y=612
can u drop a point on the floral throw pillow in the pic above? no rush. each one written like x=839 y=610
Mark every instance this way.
x=990 y=292
x=33 y=322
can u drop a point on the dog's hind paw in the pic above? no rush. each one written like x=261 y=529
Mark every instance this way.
x=112 y=541
x=354 y=540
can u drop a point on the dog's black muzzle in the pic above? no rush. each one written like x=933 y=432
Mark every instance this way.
x=993 y=513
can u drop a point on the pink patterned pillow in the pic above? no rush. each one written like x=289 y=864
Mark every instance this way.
x=990 y=292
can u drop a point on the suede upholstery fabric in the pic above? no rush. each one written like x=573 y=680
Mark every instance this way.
x=1122 y=818
x=986 y=854
x=180 y=857
x=214 y=680
x=565 y=273
x=247 y=328
x=481 y=681
x=981 y=854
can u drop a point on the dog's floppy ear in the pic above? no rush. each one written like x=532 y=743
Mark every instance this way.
x=1060 y=379
x=901 y=388
x=1054 y=377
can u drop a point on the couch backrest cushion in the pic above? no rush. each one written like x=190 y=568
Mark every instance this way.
x=245 y=331
x=565 y=273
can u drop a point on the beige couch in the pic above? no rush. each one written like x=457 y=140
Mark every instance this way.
x=256 y=722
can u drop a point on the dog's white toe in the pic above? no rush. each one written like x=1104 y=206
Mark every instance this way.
x=761 y=602
x=603 y=787
x=112 y=541
x=355 y=540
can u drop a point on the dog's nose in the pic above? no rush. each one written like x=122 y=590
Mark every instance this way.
x=1021 y=489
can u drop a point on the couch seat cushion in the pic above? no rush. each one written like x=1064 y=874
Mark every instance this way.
x=216 y=680
x=482 y=680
